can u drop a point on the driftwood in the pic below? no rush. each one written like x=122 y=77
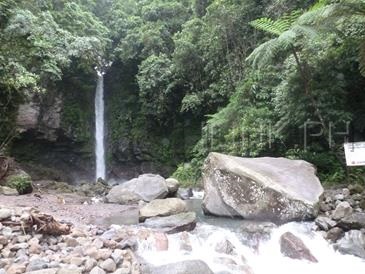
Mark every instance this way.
x=40 y=223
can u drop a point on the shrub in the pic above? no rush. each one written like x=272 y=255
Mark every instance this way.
x=21 y=182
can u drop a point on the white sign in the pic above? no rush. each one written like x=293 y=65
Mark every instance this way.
x=355 y=154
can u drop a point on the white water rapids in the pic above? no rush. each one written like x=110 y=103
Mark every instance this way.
x=256 y=256
x=99 y=127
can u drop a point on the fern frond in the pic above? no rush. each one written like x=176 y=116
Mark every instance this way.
x=267 y=25
x=263 y=54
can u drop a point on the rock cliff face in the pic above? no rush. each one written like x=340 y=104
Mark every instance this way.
x=50 y=144
x=266 y=189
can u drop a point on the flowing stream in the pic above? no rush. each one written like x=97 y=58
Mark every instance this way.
x=247 y=253
x=99 y=127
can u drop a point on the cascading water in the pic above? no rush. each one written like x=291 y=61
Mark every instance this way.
x=246 y=254
x=99 y=126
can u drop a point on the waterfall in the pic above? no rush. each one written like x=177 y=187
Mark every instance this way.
x=99 y=127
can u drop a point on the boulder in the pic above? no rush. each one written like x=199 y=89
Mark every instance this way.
x=267 y=189
x=162 y=207
x=353 y=221
x=352 y=243
x=146 y=187
x=186 y=267
x=121 y=195
x=342 y=209
x=172 y=186
x=173 y=224
x=293 y=247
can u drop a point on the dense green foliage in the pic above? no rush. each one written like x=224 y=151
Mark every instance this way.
x=243 y=77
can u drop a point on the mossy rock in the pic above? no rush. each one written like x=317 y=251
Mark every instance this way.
x=21 y=181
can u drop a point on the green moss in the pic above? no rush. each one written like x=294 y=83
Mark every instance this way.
x=21 y=182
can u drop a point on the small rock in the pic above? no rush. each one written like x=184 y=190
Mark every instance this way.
x=339 y=197
x=108 y=265
x=91 y=252
x=104 y=253
x=97 y=270
x=44 y=271
x=77 y=261
x=356 y=188
x=89 y=264
x=98 y=243
x=3 y=240
x=71 y=242
x=117 y=255
x=346 y=192
x=37 y=264
x=4 y=213
x=342 y=209
x=16 y=269
x=16 y=247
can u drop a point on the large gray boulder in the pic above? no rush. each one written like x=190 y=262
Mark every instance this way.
x=352 y=243
x=162 y=207
x=184 y=267
x=174 y=223
x=146 y=187
x=267 y=189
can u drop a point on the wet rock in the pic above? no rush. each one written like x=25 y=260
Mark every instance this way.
x=186 y=267
x=352 y=243
x=342 y=209
x=184 y=193
x=325 y=223
x=268 y=189
x=225 y=247
x=334 y=234
x=162 y=207
x=353 y=221
x=185 y=243
x=293 y=247
x=174 y=223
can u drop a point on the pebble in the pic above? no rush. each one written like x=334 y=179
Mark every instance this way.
x=108 y=265
x=90 y=263
x=97 y=270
